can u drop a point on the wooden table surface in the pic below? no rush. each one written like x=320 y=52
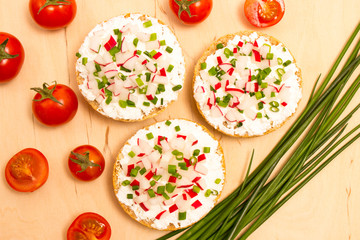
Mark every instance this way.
x=327 y=208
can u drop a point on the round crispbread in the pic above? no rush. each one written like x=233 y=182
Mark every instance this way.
x=212 y=48
x=155 y=111
x=119 y=170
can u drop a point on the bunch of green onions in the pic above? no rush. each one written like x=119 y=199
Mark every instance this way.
x=319 y=136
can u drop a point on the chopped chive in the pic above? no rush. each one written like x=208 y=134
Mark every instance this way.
x=264 y=85
x=260 y=105
x=146 y=104
x=124 y=69
x=97 y=67
x=151 y=193
x=134 y=172
x=129 y=196
x=125 y=183
x=153 y=53
x=287 y=63
x=258 y=95
x=219 y=46
x=162 y=101
x=152 y=183
x=259 y=115
x=269 y=56
x=277 y=82
x=142 y=171
x=160 y=189
x=217 y=181
x=131 y=154
x=284 y=49
x=162 y=43
x=196 y=152
x=153 y=37
x=158 y=148
x=208 y=193
x=169 y=49
x=84 y=61
x=135 y=187
x=170 y=68
x=177 y=128
x=116 y=31
x=157 y=177
x=212 y=71
x=154 y=101
x=165 y=196
x=203 y=65
x=135 y=42
x=280 y=71
x=139 y=82
x=130 y=103
x=280 y=61
x=170 y=188
x=274 y=104
x=168 y=123
x=171 y=169
x=78 y=55
x=196 y=189
x=122 y=103
x=148 y=76
x=206 y=149
x=147 y=24
x=183 y=166
x=274 y=109
x=149 y=136
x=176 y=88
x=182 y=216
x=108 y=100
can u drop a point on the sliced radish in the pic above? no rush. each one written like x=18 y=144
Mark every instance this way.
x=257 y=56
x=152 y=45
x=173 y=208
x=160 y=79
x=158 y=216
x=154 y=156
x=234 y=101
x=151 y=66
x=196 y=204
x=100 y=98
x=99 y=60
x=144 y=207
x=264 y=50
x=201 y=168
x=191 y=193
x=145 y=146
x=151 y=90
x=146 y=162
x=247 y=48
x=225 y=66
x=144 y=37
x=130 y=63
x=157 y=55
x=110 y=43
x=216 y=112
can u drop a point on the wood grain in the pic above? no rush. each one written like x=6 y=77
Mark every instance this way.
x=315 y=31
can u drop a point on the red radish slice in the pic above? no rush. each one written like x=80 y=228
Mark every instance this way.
x=142 y=205
x=225 y=66
x=144 y=146
x=196 y=204
x=219 y=60
x=99 y=60
x=160 y=139
x=146 y=162
x=100 y=98
x=247 y=48
x=277 y=89
x=135 y=183
x=256 y=44
x=151 y=90
x=173 y=208
x=130 y=63
x=157 y=55
x=217 y=86
x=240 y=44
x=144 y=37
x=231 y=71
x=158 y=217
x=201 y=157
x=200 y=89
x=181 y=136
x=216 y=112
x=252 y=87
x=257 y=56
x=163 y=72
x=201 y=168
x=264 y=50
x=191 y=193
x=172 y=179
x=110 y=43
x=152 y=68
x=235 y=50
x=95 y=43
x=201 y=184
x=234 y=102
x=149 y=175
x=154 y=156
x=196 y=179
x=152 y=45
x=284 y=104
x=129 y=168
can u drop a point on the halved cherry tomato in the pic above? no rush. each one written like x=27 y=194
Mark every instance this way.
x=89 y=226
x=11 y=56
x=27 y=170
x=54 y=105
x=191 y=11
x=264 y=13
x=86 y=163
x=53 y=14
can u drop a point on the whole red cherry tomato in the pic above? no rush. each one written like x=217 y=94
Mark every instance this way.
x=27 y=170
x=53 y=14
x=11 y=56
x=54 y=105
x=191 y=11
x=86 y=163
x=89 y=226
x=264 y=13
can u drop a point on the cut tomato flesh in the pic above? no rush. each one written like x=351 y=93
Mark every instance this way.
x=93 y=227
x=268 y=10
x=21 y=168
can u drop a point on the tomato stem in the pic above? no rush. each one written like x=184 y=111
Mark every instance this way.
x=83 y=160
x=54 y=3
x=46 y=93
x=3 y=54
x=184 y=5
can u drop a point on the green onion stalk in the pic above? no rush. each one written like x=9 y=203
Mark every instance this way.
x=317 y=137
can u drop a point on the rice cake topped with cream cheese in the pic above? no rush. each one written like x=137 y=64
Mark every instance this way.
x=130 y=67
x=247 y=84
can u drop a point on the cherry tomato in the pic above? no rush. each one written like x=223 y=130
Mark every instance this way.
x=11 y=56
x=191 y=11
x=89 y=226
x=86 y=163
x=264 y=13
x=53 y=14
x=54 y=105
x=27 y=170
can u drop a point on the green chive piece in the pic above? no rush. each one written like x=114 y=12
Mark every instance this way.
x=203 y=65
x=116 y=31
x=206 y=149
x=151 y=193
x=153 y=37
x=134 y=172
x=280 y=61
x=84 y=61
x=130 y=103
x=142 y=171
x=135 y=187
x=147 y=24
x=152 y=183
x=183 y=166
x=129 y=196
x=259 y=115
x=162 y=43
x=258 y=95
x=287 y=63
x=149 y=136
x=131 y=154
x=171 y=169
x=168 y=123
x=122 y=103
x=219 y=46
x=208 y=193
x=169 y=49
x=160 y=189
x=165 y=196
x=176 y=88
x=212 y=71
x=264 y=85
x=139 y=82
x=177 y=128
x=269 y=56
x=273 y=94
x=196 y=152
x=217 y=181
x=260 y=105
x=182 y=216
x=170 y=188
x=125 y=183
x=158 y=148
x=157 y=177
x=78 y=55
x=170 y=68
x=135 y=42
x=196 y=189
x=147 y=104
